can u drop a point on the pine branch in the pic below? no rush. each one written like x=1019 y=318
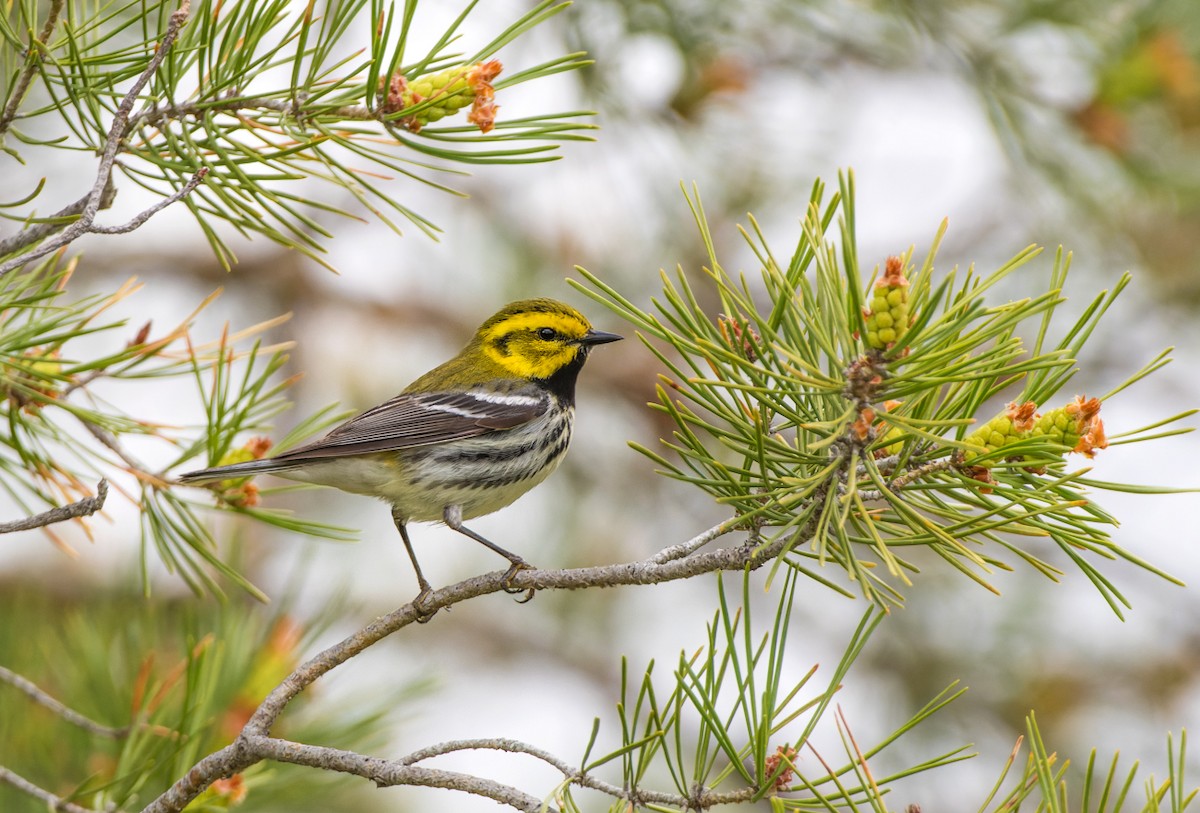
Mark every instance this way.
x=139 y=219
x=55 y=222
x=70 y=715
x=700 y=800
x=52 y=802
x=82 y=508
x=389 y=773
x=101 y=193
x=32 y=58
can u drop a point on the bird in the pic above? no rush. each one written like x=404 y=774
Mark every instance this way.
x=463 y=440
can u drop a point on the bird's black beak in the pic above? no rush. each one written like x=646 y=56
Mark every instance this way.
x=599 y=337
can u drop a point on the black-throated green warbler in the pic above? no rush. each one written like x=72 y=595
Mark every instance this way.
x=465 y=439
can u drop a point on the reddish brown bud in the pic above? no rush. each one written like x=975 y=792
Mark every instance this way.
x=258 y=446
x=739 y=337
x=232 y=789
x=893 y=274
x=141 y=336
x=782 y=755
x=1023 y=416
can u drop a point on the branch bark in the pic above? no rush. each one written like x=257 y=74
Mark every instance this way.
x=83 y=508
x=52 y=802
x=34 y=692
x=32 y=57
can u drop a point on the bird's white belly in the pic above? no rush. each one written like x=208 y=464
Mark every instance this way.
x=481 y=475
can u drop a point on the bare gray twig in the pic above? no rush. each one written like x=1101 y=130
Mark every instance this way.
x=52 y=802
x=388 y=773
x=40 y=697
x=83 y=508
x=694 y=544
x=579 y=777
x=179 y=194
x=154 y=116
x=908 y=478
x=55 y=223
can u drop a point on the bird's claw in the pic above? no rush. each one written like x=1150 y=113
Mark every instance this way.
x=513 y=590
x=423 y=616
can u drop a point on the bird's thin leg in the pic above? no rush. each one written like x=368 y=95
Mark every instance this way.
x=426 y=588
x=452 y=515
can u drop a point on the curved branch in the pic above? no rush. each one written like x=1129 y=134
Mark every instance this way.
x=703 y=801
x=644 y=572
x=35 y=693
x=52 y=802
x=255 y=743
x=388 y=773
x=83 y=508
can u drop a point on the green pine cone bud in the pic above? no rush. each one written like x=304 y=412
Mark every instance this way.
x=1076 y=426
x=887 y=319
x=1017 y=422
x=255 y=449
x=446 y=92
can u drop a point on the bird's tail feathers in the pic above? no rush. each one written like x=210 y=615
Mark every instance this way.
x=246 y=469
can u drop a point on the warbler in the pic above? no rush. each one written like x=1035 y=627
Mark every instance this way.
x=467 y=438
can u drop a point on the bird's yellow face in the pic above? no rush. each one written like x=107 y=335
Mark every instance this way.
x=536 y=338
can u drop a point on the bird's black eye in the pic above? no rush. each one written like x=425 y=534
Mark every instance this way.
x=546 y=333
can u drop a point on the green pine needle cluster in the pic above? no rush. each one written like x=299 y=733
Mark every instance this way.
x=855 y=454
x=731 y=721
x=165 y=681
x=270 y=100
x=58 y=355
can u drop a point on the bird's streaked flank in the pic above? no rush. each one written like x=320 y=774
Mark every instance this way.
x=467 y=438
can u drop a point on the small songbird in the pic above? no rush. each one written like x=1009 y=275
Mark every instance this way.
x=465 y=439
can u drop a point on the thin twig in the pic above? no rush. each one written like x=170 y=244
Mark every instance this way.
x=33 y=58
x=577 y=777
x=249 y=748
x=694 y=544
x=134 y=466
x=40 y=697
x=155 y=115
x=53 y=802
x=54 y=223
x=908 y=478
x=388 y=773
x=83 y=508
x=142 y=217
x=116 y=135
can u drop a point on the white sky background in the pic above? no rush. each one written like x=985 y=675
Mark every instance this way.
x=922 y=150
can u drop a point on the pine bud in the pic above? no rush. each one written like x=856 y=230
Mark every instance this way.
x=1015 y=423
x=887 y=316
x=448 y=91
x=786 y=756
x=738 y=337
x=1076 y=425
x=888 y=435
x=239 y=491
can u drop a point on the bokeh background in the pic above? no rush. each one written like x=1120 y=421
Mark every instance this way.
x=1073 y=122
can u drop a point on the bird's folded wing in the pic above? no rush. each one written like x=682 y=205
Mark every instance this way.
x=423 y=419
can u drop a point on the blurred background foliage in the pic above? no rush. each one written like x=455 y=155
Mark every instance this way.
x=1069 y=122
